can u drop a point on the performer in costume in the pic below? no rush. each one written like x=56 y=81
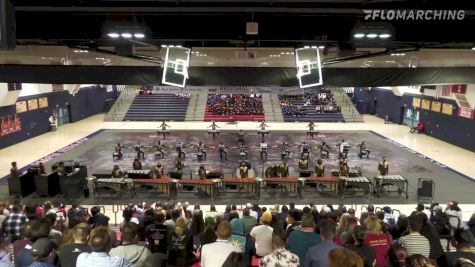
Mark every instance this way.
x=284 y=169
x=14 y=170
x=138 y=149
x=343 y=148
x=158 y=170
x=320 y=168
x=383 y=167
x=324 y=148
x=305 y=150
x=284 y=152
x=137 y=164
x=117 y=172
x=243 y=152
x=160 y=149
x=240 y=139
x=243 y=170
x=179 y=166
x=118 y=151
x=202 y=172
x=263 y=125
x=303 y=163
x=164 y=126
x=263 y=130
x=222 y=151
x=363 y=150
x=201 y=149
x=41 y=169
x=60 y=169
x=213 y=131
x=311 y=129
x=263 y=148
x=180 y=149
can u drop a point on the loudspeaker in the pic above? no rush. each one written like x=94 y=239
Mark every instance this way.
x=252 y=28
x=425 y=189
x=7 y=25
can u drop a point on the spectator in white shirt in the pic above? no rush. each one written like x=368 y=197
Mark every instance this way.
x=215 y=254
x=253 y=213
x=263 y=235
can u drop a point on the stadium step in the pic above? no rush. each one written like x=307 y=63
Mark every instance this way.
x=122 y=104
x=348 y=109
x=157 y=107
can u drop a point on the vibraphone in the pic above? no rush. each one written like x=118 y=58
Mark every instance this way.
x=206 y=185
x=137 y=174
x=387 y=180
x=330 y=182
x=360 y=182
x=291 y=184
x=353 y=172
x=119 y=185
x=251 y=185
x=165 y=185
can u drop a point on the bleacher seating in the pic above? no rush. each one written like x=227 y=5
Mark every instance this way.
x=157 y=107
x=310 y=113
x=234 y=113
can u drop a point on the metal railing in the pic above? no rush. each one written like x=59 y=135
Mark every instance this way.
x=119 y=102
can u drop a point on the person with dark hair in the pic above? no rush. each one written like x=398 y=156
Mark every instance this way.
x=462 y=241
x=175 y=214
x=101 y=243
x=97 y=218
x=299 y=242
x=39 y=229
x=69 y=253
x=197 y=226
x=76 y=214
x=235 y=259
x=414 y=242
x=248 y=221
x=293 y=222
x=129 y=250
x=156 y=235
x=317 y=256
x=418 y=260
x=26 y=241
x=41 y=252
x=280 y=256
x=397 y=255
x=215 y=254
x=14 y=173
x=137 y=164
x=13 y=224
x=402 y=227
x=366 y=252
x=430 y=232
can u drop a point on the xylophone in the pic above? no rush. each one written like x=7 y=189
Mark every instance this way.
x=137 y=173
x=165 y=185
x=207 y=185
x=398 y=181
x=251 y=185
x=119 y=185
x=289 y=183
x=360 y=182
x=328 y=182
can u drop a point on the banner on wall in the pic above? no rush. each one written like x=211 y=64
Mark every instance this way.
x=58 y=87
x=465 y=113
x=21 y=107
x=32 y=104
x=425 y=104
x=436 y=106
x=43 y=102
x=446 y=90
x=447 y=108
x=416 y=102
x=9 y=124
x=459 y=88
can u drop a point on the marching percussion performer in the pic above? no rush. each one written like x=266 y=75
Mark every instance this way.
x=320 y=168
x=343 y=148
x=263 y=148
x=303 y=163
x=240 y=139
x=263 y=126
x=243 y=152
x=284 y=151
x=383 y=167
x=160 y=149
x=263 y=130
x=179 y=147
x=222 y=151
x=118 y=151
x=117 y=172
x=201 y=150
x=311 y=129
x=324 y=148
x=14 y=170
x=363 y=150
x=304 y=150
x=163 y=130
x=243 y=170
x=213 y=130
x=138 y=149
x=179 y=166
x=284 y=169
x=158 y=171
x=137 y=164
x=202 y=172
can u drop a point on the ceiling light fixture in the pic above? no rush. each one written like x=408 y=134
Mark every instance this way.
x=384 y=35
x=371 y=35
x=306 y=46
x=126 y=35
x=358 y=35
x=321 y=46
x=113 y=35
x=139 y=35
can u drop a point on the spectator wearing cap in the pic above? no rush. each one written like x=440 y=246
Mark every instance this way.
x=414 y=242
x=101 y=244
x=248 y=221
x=317 y=256
x=462 y=241
x=293 y=222
x=216 y=253
x=13 y=224
x=299 y=242
x=41 y=251
x=39 y=229
x=377 y=239
x=262 y=234
x=69 y=253
x=129 y=249
x=366 y=252
x=280 y=256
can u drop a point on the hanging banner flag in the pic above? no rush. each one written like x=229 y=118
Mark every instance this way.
x=465 y=113
x=459 y=88
x=446 y=90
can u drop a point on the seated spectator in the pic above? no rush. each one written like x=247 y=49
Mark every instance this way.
x=317 y=256
x=454 y=214
x=13 y=223
x=129 y=250
x=156 y=235
x=430 y=232
x=419 y=128
x=414 y=242
x=180 y=248
x=248 y=221
x=299 y=242
x=39 y=229
x=41 y=252
x=418 y=260
x=262 y=234
x=293 y=222
x=215 y=254
x=5 y=256
x=69 y=253
x=280 y=256
x=342 y=257
x=397 y=255
x=234 y=259
x=462 y=241
x=377 y=239
x=101 y=244
x=366 y=252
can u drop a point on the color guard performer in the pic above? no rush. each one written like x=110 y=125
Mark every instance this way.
x=311 y=129
x=240 y=139
x=324 y=148
x=363 y=150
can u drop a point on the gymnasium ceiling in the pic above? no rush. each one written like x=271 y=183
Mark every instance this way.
x=216 y=28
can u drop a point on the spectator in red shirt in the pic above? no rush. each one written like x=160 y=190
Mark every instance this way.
x=377 y=239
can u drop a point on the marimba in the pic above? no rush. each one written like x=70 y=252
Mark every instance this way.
x=164 y=185
x=206 y=185
x=360 y=182
x=134 y=174
x=119 y=185
x=398 y=181
x=353 y=172
x=291 y=184
x=251 y=185
x=330 y=182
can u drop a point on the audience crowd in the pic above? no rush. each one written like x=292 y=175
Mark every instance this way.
x=177 y=234
x=322 y=99
x=235 y=104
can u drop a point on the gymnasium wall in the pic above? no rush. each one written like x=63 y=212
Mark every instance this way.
x=87 y=102
x=449 y=128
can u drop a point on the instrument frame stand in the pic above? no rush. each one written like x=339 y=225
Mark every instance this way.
x=364 y=153
x=200 y=157
x=117 y=156
x=164 y=133
x=214 y=133
x=311 y=134
x=284 y=156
